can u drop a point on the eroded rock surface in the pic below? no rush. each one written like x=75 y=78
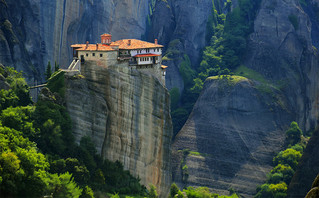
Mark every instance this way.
x=127 y=115
x=185 y=22
x=239 y=129
x=236 y=129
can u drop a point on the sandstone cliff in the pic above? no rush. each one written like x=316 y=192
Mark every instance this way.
x=238 y=129
x=185 y=22
x=127 y=115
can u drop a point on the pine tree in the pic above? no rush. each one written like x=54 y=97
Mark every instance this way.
x=48 y=71
x=56 y=67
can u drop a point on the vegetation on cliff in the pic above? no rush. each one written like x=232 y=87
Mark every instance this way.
x=199 y=192
x=285 y=164
x=227 y=32
x=38 y=155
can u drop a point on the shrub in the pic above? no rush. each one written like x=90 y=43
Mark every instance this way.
x=288 y=157
x=294 y=134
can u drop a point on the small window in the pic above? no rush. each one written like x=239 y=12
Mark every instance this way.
x=87 y=54
x=101 y=55
x=93 y=54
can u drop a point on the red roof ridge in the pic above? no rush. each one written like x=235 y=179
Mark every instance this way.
x=146 y=55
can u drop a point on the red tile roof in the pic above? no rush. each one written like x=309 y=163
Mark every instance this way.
x=106 y=35
x=135 y=44
x=92 y=47
x=128 y=44
x=146 y=55
x=164 y=67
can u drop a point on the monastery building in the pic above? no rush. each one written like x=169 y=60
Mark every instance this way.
x=133 y=53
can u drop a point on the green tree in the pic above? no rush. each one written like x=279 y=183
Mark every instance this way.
x=56 y=66
x=63 y=186
x=175 y=192
x=288 y=157
x=187 y=72
x=55 y=128
x=48 y=71
x=152 y=192
x=200 y=192
x=19 y=92
x=8 y=98
x=23 y=170
x=87 y=192
x=20 y=119
x=285 y=170
x=294 y=134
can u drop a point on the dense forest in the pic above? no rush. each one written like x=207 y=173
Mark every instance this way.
x=38 y=153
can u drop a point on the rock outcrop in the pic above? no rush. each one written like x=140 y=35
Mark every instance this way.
x=232 y=134
x=127 y=114
x=280 y=48
x=239 y=129
x=307 y=170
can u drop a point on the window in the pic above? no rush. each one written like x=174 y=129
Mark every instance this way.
x=87 y=54
x=147 y=50
x=101 y=55
x=93 y=54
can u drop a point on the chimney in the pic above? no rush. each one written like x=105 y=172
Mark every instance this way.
x=155 y=41
x=97 y=47
x=87 y=44
x=129 y=42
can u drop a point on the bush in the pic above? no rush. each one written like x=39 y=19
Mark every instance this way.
x=285 y=170
x=294 y=134
x=175 y=192
x=288 y=157
x=152 y=192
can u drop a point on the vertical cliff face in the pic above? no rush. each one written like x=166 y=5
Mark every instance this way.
x=126 y=113
x=19 y=37
x=43 y=30
x=280 y=48
x=232 y=134
x=239 y=127
x=183 y=22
